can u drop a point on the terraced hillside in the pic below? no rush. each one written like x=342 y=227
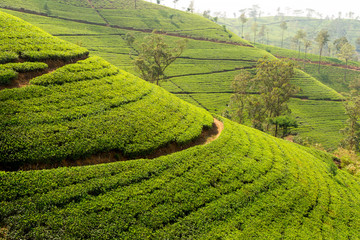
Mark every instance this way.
x=75 y=111
x=245 y=184
x=331 y=116
x=203 y=74
x=127 y=14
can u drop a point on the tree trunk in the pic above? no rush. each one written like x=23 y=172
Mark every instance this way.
x=320 y=60
x=345 y=70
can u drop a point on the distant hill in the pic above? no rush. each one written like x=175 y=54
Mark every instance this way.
x=244 y=184
x=337 y=28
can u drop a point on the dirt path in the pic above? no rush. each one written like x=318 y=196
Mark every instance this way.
x=354 y=68
x=207 y=136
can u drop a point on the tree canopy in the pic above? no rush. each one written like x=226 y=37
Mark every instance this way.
x=155 y=56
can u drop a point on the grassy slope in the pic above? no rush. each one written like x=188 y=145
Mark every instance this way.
x=245 y=184
x=195 y=73
x=320 y=126
x=208 y=90
x=74 y=111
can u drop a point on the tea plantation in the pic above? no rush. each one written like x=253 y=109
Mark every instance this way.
x=89 y=107
x=245 y=184
x=204 y=73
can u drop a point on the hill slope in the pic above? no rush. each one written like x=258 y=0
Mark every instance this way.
x=203 y=75
x=245 y=184
x=75 y=110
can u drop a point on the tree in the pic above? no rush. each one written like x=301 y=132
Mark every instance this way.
x=262 y=32
x=254 y=11
x=130 y=39
x=299 y=37
x=339 y=43
x=243 y=21
x=322 y=38
x=346 y=53
x=283 y=26
x=155 y=56
x=358 y=44
x=283 y=123
x=206 y=14
x=175 y=1
x=191 y=7
x=272 y=80
x=352 y=110
x=254 y=29
x=307 y=44
x=239 y=100
x=158 y=1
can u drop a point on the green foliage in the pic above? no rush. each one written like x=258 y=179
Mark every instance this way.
x=89 y=69
x=155 y=56
x=6 y=56
x=25 y=66
x=9 y=71
x=284 y=123
x=244 y=185
x=319 y=120
x=322 y=38
x=7 y=75
x=266 y=187
x=80 y=118
x=349 y=160
x=272 y=81
x=32 y=43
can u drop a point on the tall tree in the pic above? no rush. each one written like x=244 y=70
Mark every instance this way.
x=299 y=37
x=254 y=11
x=155 y=56
x=338 y=43
x=346 y=53
x=307 y=44
x=243 y=21
x=352 y=110
x=262 y=33
x=283 y=26
x=254 y=29
x=239 y=100
x=175 y=1
x=191 y=7
x=357 y=44
x=272 y=80
x=322 y=38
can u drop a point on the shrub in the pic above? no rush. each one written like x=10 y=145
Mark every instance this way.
x=7 y=75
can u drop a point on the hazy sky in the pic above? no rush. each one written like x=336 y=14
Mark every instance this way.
x=328 y=7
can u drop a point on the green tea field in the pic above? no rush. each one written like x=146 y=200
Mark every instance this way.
x=88 y=150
